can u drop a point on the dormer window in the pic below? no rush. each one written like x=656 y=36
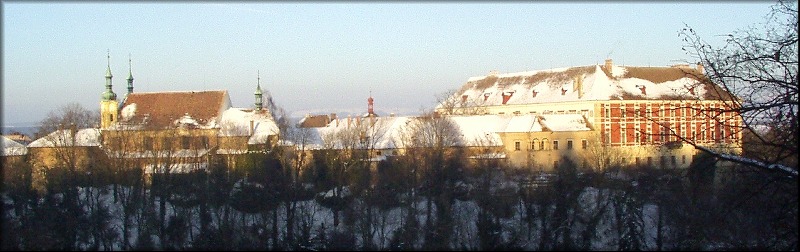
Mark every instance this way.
x=486 y=96
x=642 y=88
x=507 y=96
x=563 y=91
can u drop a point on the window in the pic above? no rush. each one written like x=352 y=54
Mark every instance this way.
x=166 y=143
x=637 y=137
x=684 y=159
x=569 y=144
x=533 y=144
x=649 y=161
x=674 y=161
x=185 y=141
x=117 y=142
x=204 y=142
x=637 y=161
x=543 y=144
x=623 y=135
x=147 y=143
x=516 y=145
x=584 y=144
x=555 y=144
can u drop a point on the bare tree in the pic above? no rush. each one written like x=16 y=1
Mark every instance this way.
x=759 y=65
x=65 y=116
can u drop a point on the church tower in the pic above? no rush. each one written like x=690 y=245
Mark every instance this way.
x=259 y=99
x=108 y=104
x=130 y=77
x=370 y=101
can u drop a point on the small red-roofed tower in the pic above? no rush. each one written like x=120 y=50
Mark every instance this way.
x=370 y=111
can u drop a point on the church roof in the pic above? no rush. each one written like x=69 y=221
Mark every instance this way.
x=167 y=109
x=585 y=83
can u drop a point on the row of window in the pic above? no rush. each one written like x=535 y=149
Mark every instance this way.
x=166 y=143
x=542 y=145
x=681 y=111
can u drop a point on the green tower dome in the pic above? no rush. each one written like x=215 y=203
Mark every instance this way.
x=109 y=95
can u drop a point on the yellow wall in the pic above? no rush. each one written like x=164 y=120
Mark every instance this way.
x=108 y=113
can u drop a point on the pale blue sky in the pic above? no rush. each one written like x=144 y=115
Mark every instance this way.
x=325 y=57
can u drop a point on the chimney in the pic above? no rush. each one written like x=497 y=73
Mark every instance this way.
x=700 y=68
x=332 y=117
x=391 y=114
x=251 y=127
x=609 y=64
x=464 y=99
x=578 y=85
x=349 y=121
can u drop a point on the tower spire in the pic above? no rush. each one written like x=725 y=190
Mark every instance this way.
x=130 y=75
x=259 y=104
x=109 y=93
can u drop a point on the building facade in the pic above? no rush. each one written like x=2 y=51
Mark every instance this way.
x=638 y=115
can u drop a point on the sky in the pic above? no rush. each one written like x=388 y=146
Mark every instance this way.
x=329 y=57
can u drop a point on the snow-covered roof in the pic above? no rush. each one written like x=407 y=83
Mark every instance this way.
x=567 y=122
x=384 y=133
x=12 y=148
x=63 y=138
x=480 y=130
x=236 y=122
x=474 y=130
x=584 y=84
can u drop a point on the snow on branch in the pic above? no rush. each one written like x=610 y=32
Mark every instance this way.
x=751 y=162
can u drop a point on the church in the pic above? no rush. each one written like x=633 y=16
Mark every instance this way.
x=181 y=131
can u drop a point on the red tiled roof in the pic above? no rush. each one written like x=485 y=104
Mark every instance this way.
x=315 y=121
x=165 y=107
